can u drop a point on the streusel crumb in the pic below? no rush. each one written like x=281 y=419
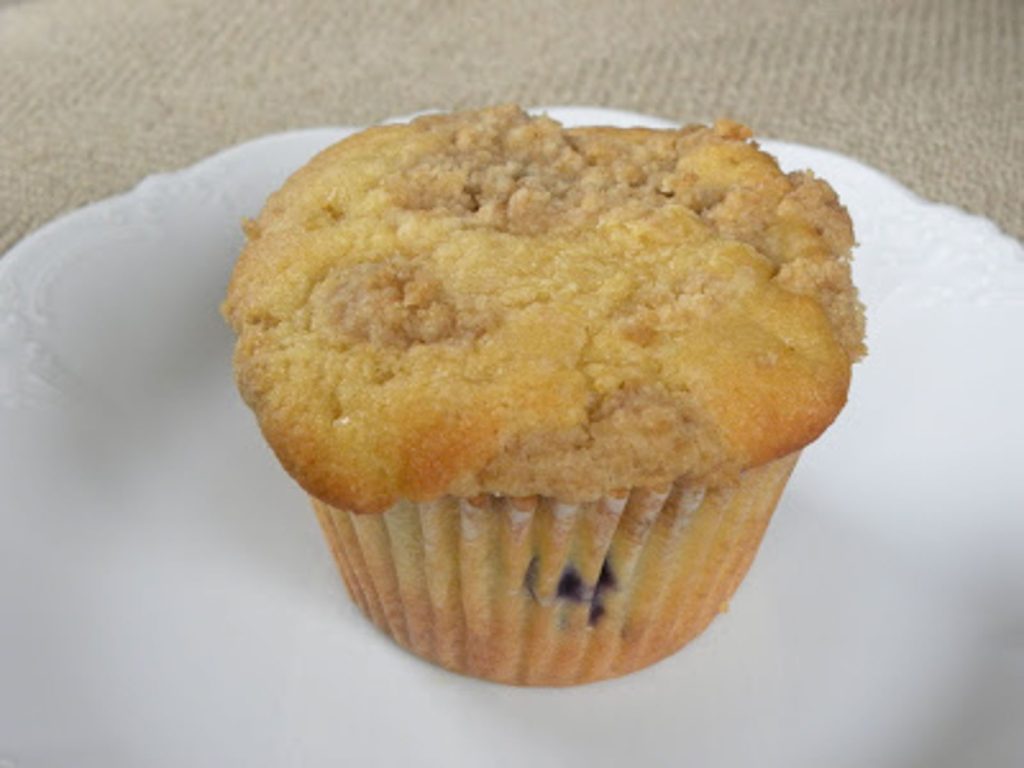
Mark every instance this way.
x=487 y=302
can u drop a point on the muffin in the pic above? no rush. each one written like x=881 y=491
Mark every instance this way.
x=544 y=386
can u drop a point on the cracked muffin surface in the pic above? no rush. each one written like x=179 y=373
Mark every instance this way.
x=489 y=303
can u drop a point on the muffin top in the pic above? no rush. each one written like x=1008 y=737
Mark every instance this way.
x=487 y=302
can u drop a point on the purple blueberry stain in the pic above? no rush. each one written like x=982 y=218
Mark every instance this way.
x=605 y=579
x=571 y=587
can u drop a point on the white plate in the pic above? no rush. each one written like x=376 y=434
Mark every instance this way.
x=166 y=599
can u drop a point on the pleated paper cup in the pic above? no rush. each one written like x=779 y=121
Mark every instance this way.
x=531 y=591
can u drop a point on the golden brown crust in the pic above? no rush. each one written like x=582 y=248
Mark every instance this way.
x=489 y=303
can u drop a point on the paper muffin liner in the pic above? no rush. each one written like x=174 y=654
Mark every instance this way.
x=537 y=592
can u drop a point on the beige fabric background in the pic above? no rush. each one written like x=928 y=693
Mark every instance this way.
x=95 y=95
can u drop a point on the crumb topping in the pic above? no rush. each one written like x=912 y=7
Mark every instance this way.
x=487 y=302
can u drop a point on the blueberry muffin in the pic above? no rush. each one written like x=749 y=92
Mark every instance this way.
x=544 y=386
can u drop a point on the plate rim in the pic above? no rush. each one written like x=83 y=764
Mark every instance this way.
x=13 y=256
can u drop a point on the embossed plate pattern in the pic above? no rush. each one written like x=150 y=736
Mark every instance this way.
x=166 y=599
